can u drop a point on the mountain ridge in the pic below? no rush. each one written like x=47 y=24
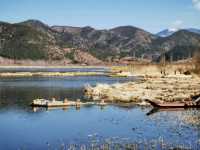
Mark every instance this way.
x=29 y=38
x=168 y=32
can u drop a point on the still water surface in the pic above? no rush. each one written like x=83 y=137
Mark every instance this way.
x=22 y=127
x=43 y=69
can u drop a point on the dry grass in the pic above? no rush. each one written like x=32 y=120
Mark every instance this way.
x=196 y=62
x=155 y=69
x=169 y=88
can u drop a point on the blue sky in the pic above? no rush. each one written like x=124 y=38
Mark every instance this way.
x=151 y=15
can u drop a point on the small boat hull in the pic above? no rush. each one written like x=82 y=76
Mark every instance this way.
x=48 y=103
x=173 y=105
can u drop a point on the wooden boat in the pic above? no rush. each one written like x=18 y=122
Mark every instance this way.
x=187 y=104
x=161 y=109
x=56 y=103
x=52 y=103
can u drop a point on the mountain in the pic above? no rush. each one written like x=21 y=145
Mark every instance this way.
x=32 y=39
x=36 y=24
x=194 y=30
x=179 y=38
x=181 y=44
x=101 y=43
x=68 y=29
x=168 y=32
x=23 y=42
x=35 y=40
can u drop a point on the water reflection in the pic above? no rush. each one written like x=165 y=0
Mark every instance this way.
x=92 y=124
x=42 y=109
x=61 y=69
x=112 y=125
x=186 y=115
x=21 y=91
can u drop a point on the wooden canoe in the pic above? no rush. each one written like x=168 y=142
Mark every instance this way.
x=161 y=109
x=174 y=104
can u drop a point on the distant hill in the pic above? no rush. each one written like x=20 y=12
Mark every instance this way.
x=168 y=32
x=180 y=45
x=117 y=42
x=194 y=30
x=23 y=42
x=68 y=29
x=35 y=40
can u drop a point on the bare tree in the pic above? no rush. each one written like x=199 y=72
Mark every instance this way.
x=196 y=61
x=162 y=64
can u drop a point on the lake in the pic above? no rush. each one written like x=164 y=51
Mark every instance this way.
x=23 y=127
x=50 y=69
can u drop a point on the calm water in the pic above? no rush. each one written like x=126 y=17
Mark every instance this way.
x=22 y=127
x=53 y=69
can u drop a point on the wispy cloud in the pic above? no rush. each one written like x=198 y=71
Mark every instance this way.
x=196 y=4
x=176 y=25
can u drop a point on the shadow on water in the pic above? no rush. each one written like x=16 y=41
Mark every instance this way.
x=21 y=91
x=24 y=96
x=157 y=110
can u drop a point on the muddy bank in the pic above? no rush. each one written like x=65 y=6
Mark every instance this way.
x=169 y=88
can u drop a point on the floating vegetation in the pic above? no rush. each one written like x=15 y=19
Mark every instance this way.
x=169 y=88
x=116 y=143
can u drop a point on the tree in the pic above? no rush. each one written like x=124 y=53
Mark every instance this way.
x=162 y=64
x=196 y=61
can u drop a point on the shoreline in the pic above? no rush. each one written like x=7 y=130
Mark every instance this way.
x=51 y=66
x=50 y=74
x=180 y=88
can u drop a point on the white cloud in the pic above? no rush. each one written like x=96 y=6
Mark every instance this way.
x=196 y=4
x=176 y=25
